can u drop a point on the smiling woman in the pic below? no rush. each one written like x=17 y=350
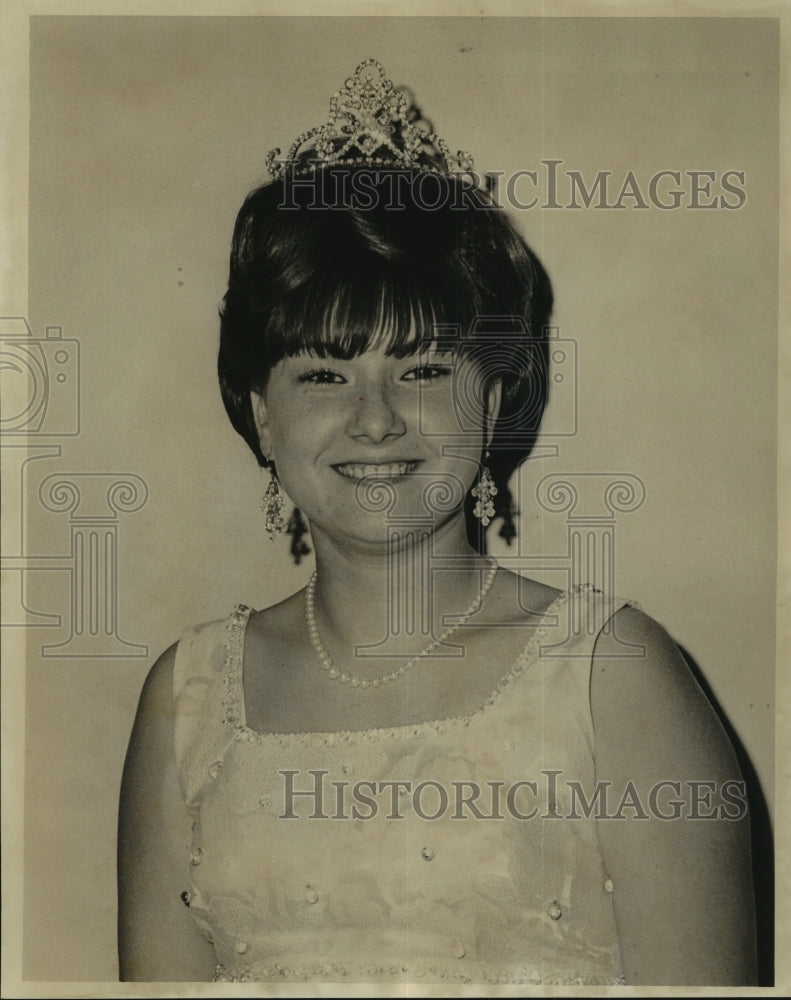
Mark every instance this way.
x=373 y=416
x=304 y=790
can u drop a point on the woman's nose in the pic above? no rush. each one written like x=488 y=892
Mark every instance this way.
x=376 y=415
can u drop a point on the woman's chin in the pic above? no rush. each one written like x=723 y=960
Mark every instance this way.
x=389 y=531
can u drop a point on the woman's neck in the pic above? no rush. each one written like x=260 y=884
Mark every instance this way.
x=394 y=601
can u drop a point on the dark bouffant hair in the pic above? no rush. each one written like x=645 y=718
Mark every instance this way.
x=343 y=259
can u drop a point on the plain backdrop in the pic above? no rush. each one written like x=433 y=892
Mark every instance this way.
x=145 y=135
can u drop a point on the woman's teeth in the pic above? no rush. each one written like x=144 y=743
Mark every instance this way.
x=355 y=471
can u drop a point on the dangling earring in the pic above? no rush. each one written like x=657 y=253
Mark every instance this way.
x=484 y=491
x=272 y=505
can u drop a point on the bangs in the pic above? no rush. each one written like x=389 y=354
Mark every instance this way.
x=342 y=316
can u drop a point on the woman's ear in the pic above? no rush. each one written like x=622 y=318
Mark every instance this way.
x=262 y=423
x=494 y=398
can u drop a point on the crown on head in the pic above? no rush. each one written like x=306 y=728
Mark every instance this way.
x=371 y=124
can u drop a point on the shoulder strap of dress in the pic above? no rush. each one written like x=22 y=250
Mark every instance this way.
x=568 y=648
x=579 y=616
x=203 y=693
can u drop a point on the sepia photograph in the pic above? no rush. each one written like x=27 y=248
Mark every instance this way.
x=392 y=575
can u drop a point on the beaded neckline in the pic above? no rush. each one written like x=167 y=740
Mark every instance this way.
x=233 y=702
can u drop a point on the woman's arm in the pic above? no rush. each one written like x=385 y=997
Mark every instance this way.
x=157 y=938
x=683 y=892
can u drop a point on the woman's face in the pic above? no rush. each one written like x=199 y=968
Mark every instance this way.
x=362 y=443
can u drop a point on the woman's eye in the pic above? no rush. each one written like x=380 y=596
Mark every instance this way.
x=322 y=376
x=426 y=373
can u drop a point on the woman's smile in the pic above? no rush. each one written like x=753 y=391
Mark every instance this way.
x=386 y=470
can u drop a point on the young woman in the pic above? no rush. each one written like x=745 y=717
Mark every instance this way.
x=422 y=768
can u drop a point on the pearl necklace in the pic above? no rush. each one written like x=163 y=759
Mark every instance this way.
x=344 y=676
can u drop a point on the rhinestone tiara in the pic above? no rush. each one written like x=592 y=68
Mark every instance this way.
x=371 y=125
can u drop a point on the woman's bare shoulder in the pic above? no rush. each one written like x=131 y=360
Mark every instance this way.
x=642 y=684
x=153 y=829
x=677 y=844
x=152 y=733
x=157 y=690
